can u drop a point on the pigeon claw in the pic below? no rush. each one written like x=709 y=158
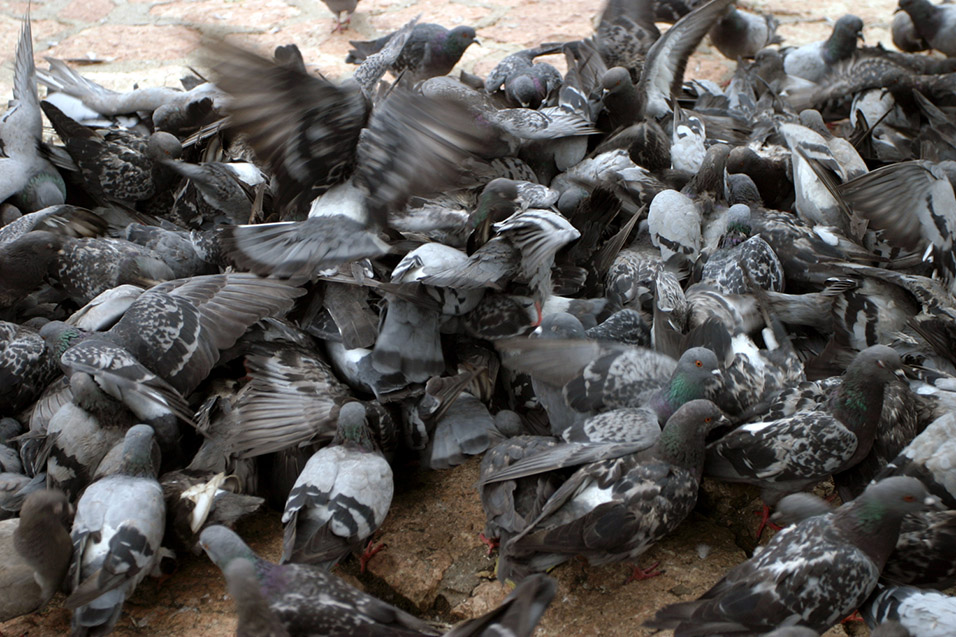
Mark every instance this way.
x=765 y=521
x=371 y=550
x=639 y=573
x=492 y=542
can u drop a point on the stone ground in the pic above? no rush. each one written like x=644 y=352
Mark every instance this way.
x=434 y=563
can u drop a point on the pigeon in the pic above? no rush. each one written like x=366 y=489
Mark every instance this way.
x=526 y=83
x=26 y=175
x=934 y=23
x=339 y=7
x=904 y=34
x=616 y=509
x=118 y=166
x=340 y=498
x=923 y=555
x=830 y=440
x=740 y=33
x=307 y=599
x=43 y=540
x=256 y=619
x=116 y=534
x=920 y=611
x=929 y=458
x=26 y=367
x=928 y=227
x=431 y=50
x=811 y=574
x=673 y=222
x=742 y=259
x=813 y=61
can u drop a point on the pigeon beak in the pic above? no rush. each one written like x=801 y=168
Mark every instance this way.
x=934 y=503
x=901 y=374
x=475 y=41
x=716 y=373
x=859 y=35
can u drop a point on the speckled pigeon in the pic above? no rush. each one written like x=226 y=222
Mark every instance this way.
x=256 y=619
x=431 y=50
x=811 y=574
x=26 y=366
x=614 y=510
x=118 y=166
x=929 y=457
x=340 y=498
x=828 y=440
x=116 y=534
x=308 y=599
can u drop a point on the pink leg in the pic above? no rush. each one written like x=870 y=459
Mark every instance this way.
x=765 y=521
x=370 y=551
x=643 y=573
x=492 y=542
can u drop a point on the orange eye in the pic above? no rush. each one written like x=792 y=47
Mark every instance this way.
x=909 y=498
x=707 y=419
x=698 y=363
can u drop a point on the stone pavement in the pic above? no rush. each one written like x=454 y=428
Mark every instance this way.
x=136 y=42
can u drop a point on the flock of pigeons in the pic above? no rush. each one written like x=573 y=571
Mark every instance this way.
x=270 y=287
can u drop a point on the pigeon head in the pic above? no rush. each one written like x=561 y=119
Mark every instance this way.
x=48 y=504
x=812 y=119
x=60 y=336
x=163 y=145
x=560 y=325
x=352 y=427
x=738 y=226
x=739 y=188
x=138 y=457
x=874 y=518
x=616 y=79
x=842 y=42
x=684 y=435
x=698 y=371
x=223 y=545
x=526 y=91
x=797 y=507
x=496 y=203
x=859 y=400
x=44 y=189
x=459 y=39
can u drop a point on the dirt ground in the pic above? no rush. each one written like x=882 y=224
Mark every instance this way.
x=434 y=563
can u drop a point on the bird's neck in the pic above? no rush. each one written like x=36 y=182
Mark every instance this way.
x=877 y=527
x=856 y=405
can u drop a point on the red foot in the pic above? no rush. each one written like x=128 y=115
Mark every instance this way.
x=765 y=521
x=370 y=551
x=643 y=573
x=492 y=542
x=855 y=617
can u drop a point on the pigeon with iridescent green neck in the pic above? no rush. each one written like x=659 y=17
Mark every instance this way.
x=812 y=574
x=828 y=440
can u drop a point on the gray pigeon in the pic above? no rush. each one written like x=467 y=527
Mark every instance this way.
x=929 y=457
x=431 y=50
x=43 y=540
x=812 y=574
x=922 y=612
x=117 y=532
x=25 y=175
x=813 y=61
x=934 y=23
x=256 y=619
x=525 y=82
x=338 y=7
x=616 y=509
x=740 y=33
x=340 y=498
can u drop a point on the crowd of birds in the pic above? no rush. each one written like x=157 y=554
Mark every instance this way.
x=269 y=288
